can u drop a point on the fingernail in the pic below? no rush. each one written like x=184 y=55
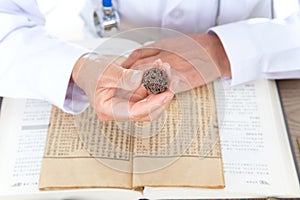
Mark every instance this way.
x=158 y=62
x=132 y=79
x=156 y=113
x=136 y=77
x=167 y=99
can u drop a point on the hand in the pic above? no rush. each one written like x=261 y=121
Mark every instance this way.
x=115 y=92
x=195 y=59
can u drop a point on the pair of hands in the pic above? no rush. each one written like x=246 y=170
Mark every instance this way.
x=114 y=87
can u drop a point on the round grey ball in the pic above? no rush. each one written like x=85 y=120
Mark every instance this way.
x=155 y=80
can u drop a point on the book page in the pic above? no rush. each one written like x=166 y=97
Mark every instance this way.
x=24 y=125
x=67 y=163
x=256 y=154
x=93 y=152
x=185 y=137
x=23 y=131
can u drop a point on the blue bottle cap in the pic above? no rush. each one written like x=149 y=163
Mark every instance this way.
x=106 y=3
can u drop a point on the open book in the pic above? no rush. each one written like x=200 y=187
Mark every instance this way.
x=254 y=166
x=180 y=149
x=256 y=153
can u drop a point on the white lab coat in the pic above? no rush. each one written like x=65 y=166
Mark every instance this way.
x=35 y=64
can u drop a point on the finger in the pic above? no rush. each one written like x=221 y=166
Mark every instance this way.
x=154 y=61
x=139 y=54
x=140 y=94
x=143 y=109
x=116 y=76
x=137 y=95
x=110 y=107
x=179 y=83
x=155 y=113
x=121 y=109
x=146 y=63
x=163 y=66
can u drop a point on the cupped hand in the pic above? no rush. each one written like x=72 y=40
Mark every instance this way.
x=116 y=93
x=195 y=59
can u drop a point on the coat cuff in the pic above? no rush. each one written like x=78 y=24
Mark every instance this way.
x=240 y=44
x=71 y=98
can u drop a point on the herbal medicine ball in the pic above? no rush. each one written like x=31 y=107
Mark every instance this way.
x=155 y=80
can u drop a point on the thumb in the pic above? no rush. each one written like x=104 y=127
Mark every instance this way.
x=131 y=79
x=96 y=71
x=116 y=76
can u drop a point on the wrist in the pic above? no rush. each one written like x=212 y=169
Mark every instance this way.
x=214 y=47
x=77 y=66
x=220 y=57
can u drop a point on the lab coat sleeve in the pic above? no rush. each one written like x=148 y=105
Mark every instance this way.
x=35 y=64
x=262 y=48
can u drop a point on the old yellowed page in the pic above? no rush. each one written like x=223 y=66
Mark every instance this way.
x=182 y=148
x=67 y=163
